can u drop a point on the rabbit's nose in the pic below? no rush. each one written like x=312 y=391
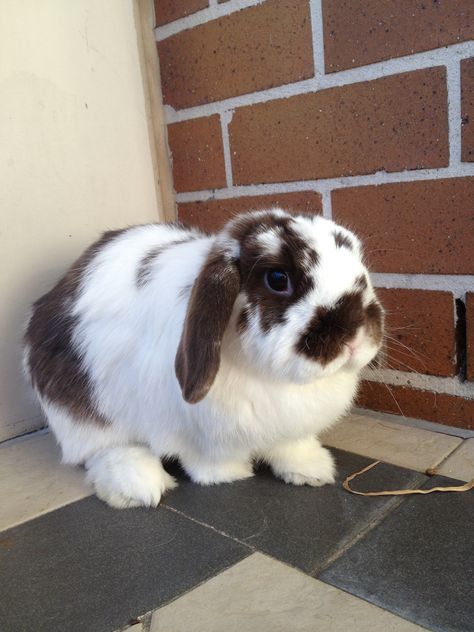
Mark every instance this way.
x=352 y=346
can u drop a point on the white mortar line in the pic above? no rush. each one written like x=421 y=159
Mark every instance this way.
x=454 y=110
x=458 y=284
x=213 y=12
x=225 y=119
x=329 y=184
x=379 y=70
x=447 y=385
x=251 y=98
x=317 y=32
x=327 y=204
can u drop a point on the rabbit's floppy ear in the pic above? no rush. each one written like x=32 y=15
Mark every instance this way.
x=209 y=309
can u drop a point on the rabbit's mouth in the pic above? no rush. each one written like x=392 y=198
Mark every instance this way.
x=349 y=330
x=362 y=356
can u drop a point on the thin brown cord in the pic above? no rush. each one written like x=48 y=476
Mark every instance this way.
x=402 y=492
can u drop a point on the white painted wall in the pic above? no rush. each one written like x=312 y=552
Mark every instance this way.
x=74 y=156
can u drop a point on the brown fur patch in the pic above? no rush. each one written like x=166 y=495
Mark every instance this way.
x=55 y=364
x=243 y=319
x=209 y=310
x=361 y=282
x=144 y=271
x=342 y=241
x=250 y=226
x=331 y=329
x=374 y=321
x=295 y=256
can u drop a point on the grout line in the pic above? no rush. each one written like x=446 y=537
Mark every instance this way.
x=453 y=79
x=379 y=70
x=203 y=16
x=31 y=434
x=359 y=535
x=199 y=583
x=225 y=119
x=445 y=458
x=317 y=32
x=251 y=98
x=460 y=336
x=457 y=284
x=146 y=621
x=208 y=526
x=441 y=385
x=327 y=204
x=321 y=185
x=143 y=619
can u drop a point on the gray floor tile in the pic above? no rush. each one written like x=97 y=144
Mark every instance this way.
x=88 y=568
x=261 y=594
x=302 y=526
x=418 y=563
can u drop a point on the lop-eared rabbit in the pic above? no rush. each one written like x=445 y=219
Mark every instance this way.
x=162 y=341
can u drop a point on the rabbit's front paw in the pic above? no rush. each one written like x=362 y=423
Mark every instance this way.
x=314 y=474
x=128 y=476
x=303 y=463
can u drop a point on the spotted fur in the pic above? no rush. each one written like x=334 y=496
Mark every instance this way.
x=165 y=341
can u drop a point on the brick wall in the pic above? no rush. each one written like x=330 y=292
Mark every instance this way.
x=362 y=110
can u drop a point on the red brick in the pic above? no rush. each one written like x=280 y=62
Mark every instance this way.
x=211 y=215
x=252 y=49
x=439 y=407
x=470 y=335
x=413 y=227
x=359 y=32
x=420 y=331
x=467 y=109
x=394 y=123
x=169 y=10
x=197 y=154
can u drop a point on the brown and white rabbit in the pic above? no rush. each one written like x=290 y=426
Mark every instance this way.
x=163 y=341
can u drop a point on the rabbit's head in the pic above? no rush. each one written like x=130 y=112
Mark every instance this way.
x=286 y=296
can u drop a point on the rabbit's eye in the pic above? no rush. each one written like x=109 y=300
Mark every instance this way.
x=278 y=282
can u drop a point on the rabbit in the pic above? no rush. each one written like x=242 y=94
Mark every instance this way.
x=163 y=341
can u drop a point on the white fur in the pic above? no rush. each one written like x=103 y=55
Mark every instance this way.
x=80 y=439
x=269 y=241
x=266 y=402
x=128 y=477
x=303 y=462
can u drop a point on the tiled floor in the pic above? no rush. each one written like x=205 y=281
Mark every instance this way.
x=260 y=593
x=254 y=555
x=460 y=464
x=379 y=439
x=32 y=481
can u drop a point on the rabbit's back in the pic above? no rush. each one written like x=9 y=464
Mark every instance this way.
x=101 y=343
